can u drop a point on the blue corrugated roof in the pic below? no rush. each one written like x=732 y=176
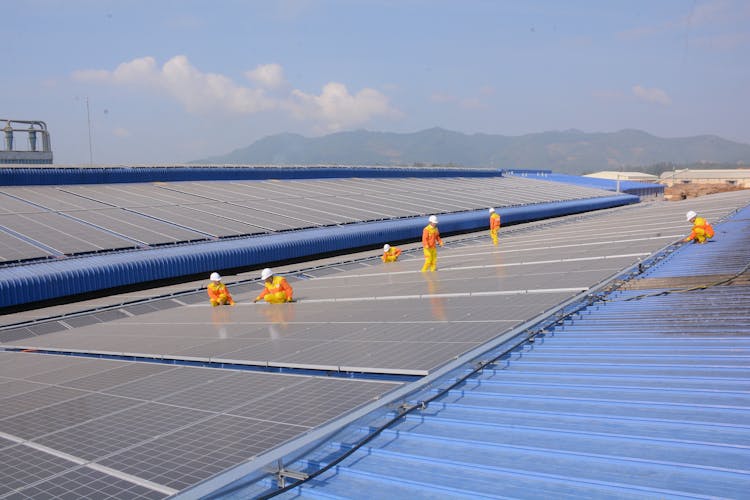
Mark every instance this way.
x=59 y=278
x=630 y=187
x=646 y=398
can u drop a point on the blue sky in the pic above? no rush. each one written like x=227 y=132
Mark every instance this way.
x=168 y=81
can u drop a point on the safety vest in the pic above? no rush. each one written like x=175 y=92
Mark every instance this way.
x=277 y=284
x=495 y=221
x=701 y=227
x=430 y=236
x=216 y=289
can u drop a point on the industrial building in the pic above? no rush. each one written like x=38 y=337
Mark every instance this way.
x=568 y=360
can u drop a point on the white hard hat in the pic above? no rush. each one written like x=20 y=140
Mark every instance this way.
x=215 y=277
x=266 y=273
x=433 y=219
x=492 y=210
x=690 y=215
x=386 y=247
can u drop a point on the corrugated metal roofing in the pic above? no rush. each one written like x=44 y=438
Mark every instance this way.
x=637 y=394
x=58 y=278
x=645 y=189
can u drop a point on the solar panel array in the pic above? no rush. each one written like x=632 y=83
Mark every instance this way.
x=102 y=428
x=102 y=420
x=367 y=316
x=53 y=221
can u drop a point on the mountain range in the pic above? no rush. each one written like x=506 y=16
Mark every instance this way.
x=570 y=151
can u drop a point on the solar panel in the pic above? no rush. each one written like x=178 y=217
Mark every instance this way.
x=13 y=248
x=52 y=198
x=203 y=222
x=137 y=227
x=148 y=430
x=62 y=233
x=11 y=205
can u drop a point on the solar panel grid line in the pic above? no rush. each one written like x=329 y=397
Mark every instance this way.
x=160 y=192
x=66 y=235
x=130 y=195
x=10 y=204
x=211 y=227
x=118 y=234
x=380 y=209
x=161 y=232
x=30 y=242
x=105 y=470
x=210 y=191
x=53 y=199
x=84 y=194
x=13 y=247
x=23 y=466
x=229 y=214
x=344 y=208
x=300 y=205
x=277 y=211
x=286 y=210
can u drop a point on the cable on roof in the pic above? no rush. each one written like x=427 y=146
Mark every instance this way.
x=684 y=290
x=405 y=408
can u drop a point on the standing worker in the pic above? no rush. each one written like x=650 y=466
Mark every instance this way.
x=430 y=236
x=218 y=294
x=390 y=254
x=702 y=230
x=277 y=290
x=494 y=225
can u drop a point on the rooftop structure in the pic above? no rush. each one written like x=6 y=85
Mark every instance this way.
x=153 y=393
x=37 y=148
x=739 y=177
x=624 y=176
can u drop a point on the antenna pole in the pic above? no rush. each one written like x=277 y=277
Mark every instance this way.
x=88 y=119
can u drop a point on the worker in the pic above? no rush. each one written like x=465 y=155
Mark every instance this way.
x=430 y=237
x=277 y=290
x=494 y=225
x=218 y=294
x=702 y=230
x=390 y=254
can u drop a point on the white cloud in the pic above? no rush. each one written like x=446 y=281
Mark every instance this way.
x=199 y=93
x=711 y=14
x=267 y=75
x=336 y=108
x=652 y=95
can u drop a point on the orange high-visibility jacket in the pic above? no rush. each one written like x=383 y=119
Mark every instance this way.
x=278 y=284
x=216 y=289
x=391 y=255
x=701 y=228
x=430 y=236
x=495 y=221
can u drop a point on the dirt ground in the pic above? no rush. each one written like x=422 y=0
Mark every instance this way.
x=684 y=191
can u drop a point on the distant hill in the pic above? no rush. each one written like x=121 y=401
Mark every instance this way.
x=570 y=151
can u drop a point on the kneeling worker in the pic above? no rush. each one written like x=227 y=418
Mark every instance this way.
x=702 y=230
x=390 y=254
x=218 y=294
x=277 y=290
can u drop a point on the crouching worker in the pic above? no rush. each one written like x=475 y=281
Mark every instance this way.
x=277 y=290
x=218 y=294
x=390 y=254
x=702 y=230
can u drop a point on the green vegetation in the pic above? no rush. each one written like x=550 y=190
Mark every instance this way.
x=571 y=151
